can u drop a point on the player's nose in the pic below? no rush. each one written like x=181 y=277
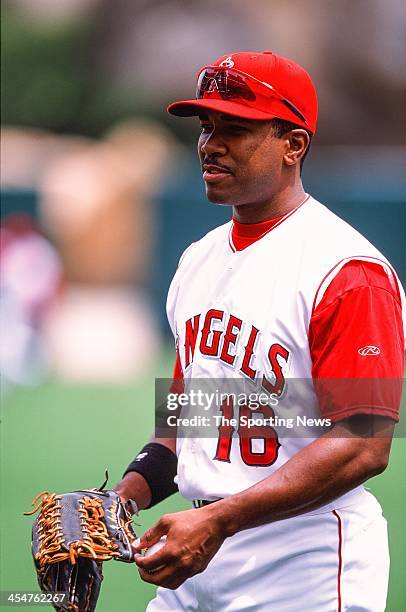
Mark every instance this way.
x=212 y=145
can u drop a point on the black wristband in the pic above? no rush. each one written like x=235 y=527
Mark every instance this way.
x=158 y=465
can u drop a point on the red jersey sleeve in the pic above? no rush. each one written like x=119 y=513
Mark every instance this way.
x=356 y=343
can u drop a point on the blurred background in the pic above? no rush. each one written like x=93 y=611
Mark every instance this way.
x=101 y=192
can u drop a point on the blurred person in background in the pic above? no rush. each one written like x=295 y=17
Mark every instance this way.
x=30 y=280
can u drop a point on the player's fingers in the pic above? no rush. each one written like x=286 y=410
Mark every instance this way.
x=136 y=545
x=166 y=577
x=153 y=562
x=151 y=536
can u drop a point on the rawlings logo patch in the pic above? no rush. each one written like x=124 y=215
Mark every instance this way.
x=370 y=350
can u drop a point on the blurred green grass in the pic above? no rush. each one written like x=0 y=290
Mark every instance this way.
x=61 y=437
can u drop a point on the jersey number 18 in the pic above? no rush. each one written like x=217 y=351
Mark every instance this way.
x=247 y=434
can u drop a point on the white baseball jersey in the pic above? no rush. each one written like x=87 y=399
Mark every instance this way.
x=245 y=315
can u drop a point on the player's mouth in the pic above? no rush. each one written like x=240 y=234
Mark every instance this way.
x=214 y=174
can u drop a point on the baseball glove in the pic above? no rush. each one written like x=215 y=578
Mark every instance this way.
x=71 y=537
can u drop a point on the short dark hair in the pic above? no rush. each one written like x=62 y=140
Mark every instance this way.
x=280 y=127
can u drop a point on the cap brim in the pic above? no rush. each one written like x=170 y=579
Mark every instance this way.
x=192 y=108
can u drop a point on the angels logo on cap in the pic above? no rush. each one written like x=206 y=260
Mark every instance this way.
x=228 y=62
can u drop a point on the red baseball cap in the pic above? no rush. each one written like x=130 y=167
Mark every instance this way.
x=254 y=86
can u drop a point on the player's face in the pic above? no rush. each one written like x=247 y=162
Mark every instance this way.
x=242 y=161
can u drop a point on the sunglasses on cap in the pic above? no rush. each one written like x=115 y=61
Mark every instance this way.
x=233 y=84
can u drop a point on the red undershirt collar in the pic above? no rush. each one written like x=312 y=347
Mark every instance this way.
x=244 y=234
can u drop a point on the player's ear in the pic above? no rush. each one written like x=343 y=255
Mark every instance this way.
x=297 y=142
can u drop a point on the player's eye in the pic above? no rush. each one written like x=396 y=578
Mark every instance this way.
x=234 y=127
x=205 y=128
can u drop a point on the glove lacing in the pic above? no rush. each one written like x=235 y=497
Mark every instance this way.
x=96 y=542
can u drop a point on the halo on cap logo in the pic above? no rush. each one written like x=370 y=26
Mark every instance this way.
x=369 y=350
x=228 y=62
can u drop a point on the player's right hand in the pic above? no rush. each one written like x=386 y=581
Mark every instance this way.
x=193 y=538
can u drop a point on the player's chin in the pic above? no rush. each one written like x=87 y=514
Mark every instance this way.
x=218 y=195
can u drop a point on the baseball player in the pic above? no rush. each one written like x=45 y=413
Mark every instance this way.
x=284 y=293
